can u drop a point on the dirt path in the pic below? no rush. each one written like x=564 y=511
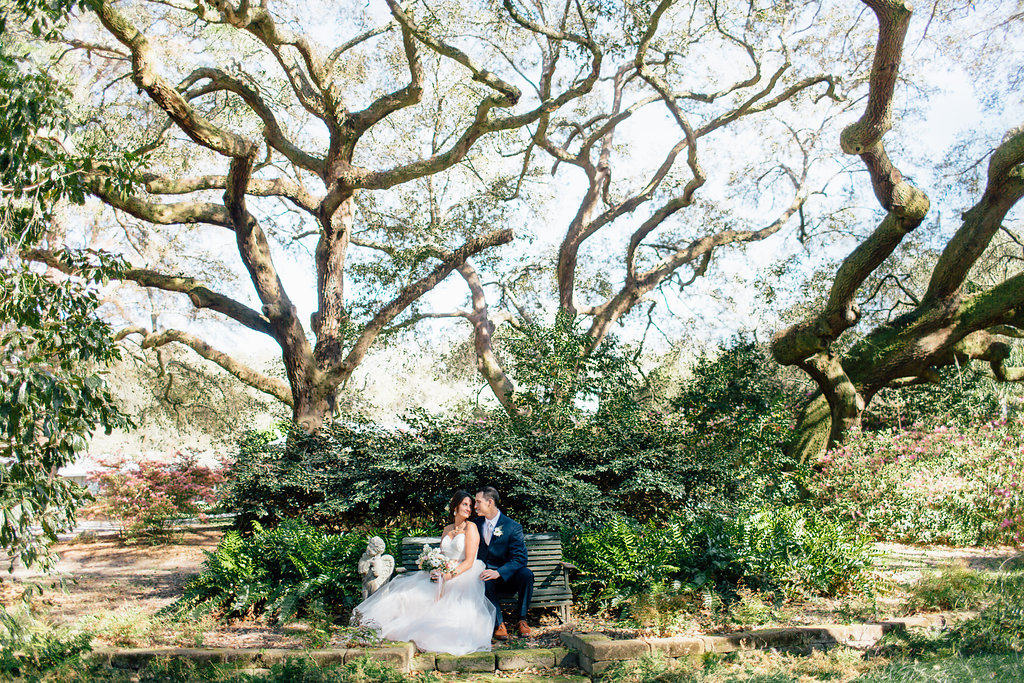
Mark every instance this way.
x=109 y=575
x=127 y=585
x=906 y=563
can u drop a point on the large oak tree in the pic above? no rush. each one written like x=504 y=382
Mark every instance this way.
x=723 y=73
x=954 y=318
x=261 y=107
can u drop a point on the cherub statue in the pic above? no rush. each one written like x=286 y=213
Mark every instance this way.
x=374 y=566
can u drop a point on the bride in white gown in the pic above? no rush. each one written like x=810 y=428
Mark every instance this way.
x=408 y=608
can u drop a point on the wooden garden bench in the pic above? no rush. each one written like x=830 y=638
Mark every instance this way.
x=551 y=574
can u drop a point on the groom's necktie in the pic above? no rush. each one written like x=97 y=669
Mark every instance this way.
x=488 y=530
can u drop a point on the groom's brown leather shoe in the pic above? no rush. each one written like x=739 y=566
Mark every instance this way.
x=501 y=633
x=524 y=629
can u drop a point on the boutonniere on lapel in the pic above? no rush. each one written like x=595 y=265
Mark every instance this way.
x=497 y=531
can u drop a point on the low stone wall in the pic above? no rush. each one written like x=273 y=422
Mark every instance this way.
x=597 y=652
x=593 y=652
x=402 y=656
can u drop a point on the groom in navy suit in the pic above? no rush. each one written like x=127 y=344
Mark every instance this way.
x=503 y=551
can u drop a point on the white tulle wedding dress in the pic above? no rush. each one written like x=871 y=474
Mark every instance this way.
x=409 y=608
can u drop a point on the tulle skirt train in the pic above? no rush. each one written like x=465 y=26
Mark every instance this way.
x=408 y=608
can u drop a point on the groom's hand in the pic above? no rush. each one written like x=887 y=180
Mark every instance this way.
x=489 y=574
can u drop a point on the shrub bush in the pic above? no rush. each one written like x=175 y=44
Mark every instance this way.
x=285 y=572
x=954 y=587
x=143 y=495
x=957 y=485
x=359 y=473
x=721 y=442
x=794 y=550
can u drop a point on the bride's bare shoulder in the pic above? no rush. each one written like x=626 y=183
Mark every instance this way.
x=472 y=530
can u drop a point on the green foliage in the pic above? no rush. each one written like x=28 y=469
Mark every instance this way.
x=44 y=18
x=623 y=457
x=740 y=410
x=794 y=550
x=36 y=170
x=352 y=474
x=559 y=378
x=296 y=669
x=999 y=628
x=292 y=570
x=28 y=647
x=965 y=396
x=958 y=485
x=52 y=395
x=954 y=587
x=950 y=669
x=50 y=400
x=357 y=671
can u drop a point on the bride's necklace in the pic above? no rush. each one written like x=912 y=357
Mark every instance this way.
x=459 y=528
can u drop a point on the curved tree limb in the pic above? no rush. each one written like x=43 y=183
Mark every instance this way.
x=483 y=330
x=389 y=103
x=161 y=213
x=221 y=81
x=146 y=76
x=309 y=86
x=1004 y=188
x=697 y=252
x=268 y=385
x=864 y=138
x=906 y=204
x=200 y=295
x=258 y=187
x=409 y=294
x=509 y=94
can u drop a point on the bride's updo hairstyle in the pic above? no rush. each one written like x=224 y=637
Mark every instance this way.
x=456 y=501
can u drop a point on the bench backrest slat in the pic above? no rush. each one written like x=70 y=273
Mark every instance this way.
x=551 y=587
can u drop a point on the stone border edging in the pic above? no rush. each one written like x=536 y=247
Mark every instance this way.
x=592 y=652
x=597 y=651
x=401 y=655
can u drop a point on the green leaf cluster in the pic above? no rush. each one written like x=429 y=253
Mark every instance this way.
x=567 y=465
x=792 y=550
x=29 y=647
x=560 y=379
x=359 y=473
x=292 y=570
x=52 y=344
x=52 y=397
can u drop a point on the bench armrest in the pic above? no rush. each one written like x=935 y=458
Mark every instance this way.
x=400 y=570
x=568 y=565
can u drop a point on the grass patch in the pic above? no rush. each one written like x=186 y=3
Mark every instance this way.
x=953 y=669
x=294 y=670
x=953 y=587
x=840 y=665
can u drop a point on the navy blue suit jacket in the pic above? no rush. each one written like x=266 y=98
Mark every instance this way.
x=506 y=553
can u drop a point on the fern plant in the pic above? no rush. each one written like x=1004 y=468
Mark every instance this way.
x=292 y=570
x=790 y=549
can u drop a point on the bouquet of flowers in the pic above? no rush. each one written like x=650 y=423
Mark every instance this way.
x=432 y=559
